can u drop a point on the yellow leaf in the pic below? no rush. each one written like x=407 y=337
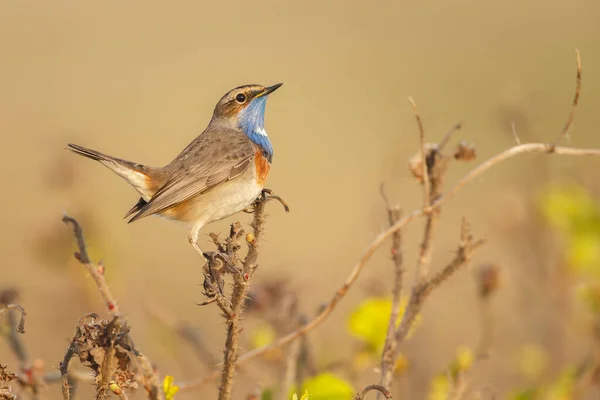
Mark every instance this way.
x=263 y=336
x=402 y=364
x=369 y=321
x=327 y=386
x=440 y=389
x=589 y=295
x=464 y=358
x=169 y=388
x=533 y=361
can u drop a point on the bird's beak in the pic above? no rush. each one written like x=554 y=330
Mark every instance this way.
x=270 y=89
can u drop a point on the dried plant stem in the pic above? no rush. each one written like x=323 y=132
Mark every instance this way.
x=241 y=282
x=389 y=348
x=378 y=388
x=150 y=379
x=422 y=290
x=424 y=161
x=291 y=367
x=64 y=372
x=8 y=307
x=92 y=269
x=569 y=122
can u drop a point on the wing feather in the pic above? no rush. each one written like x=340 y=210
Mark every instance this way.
x=212 y=158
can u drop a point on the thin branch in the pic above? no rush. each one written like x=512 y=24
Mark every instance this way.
x=379 y=388
x=426 y=201
x=389 y=348
x=448 y=135
x=514 y=132
x=8 y=307
x=93 y=270
x=64 y=371
x=569 y=122
x=423 y=290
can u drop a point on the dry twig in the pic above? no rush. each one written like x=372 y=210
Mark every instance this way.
x=569 y=122
x=389 y=348
x=382 y=390
x=116 y=334
x=8 y=307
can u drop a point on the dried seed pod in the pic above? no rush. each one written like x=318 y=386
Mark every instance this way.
x=465 y=151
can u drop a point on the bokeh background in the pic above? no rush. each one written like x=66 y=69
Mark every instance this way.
x=139 y=80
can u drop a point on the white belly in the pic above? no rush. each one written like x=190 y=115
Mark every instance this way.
x=231 y=198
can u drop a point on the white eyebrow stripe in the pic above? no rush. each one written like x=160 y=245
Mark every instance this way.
x=261 y=131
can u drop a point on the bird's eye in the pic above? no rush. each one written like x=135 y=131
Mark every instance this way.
x=240 y=98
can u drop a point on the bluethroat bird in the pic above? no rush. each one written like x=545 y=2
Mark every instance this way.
x=221 y=172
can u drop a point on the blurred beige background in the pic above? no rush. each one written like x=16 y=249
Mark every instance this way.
x=139 y=80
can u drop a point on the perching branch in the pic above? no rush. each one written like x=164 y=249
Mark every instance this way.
x=224 y=262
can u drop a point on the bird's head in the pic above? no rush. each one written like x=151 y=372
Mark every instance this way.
x=244 y=108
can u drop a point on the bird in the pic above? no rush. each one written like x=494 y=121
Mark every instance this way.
x=221 y=172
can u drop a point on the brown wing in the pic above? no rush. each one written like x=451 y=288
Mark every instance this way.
x=213 y=157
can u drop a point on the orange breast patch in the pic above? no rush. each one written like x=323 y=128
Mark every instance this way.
x=262 y=167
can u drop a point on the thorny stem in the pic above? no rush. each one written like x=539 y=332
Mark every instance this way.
x=64 y=371
x=240 y=289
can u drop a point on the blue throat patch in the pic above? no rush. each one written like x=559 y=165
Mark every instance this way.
x=252 y=122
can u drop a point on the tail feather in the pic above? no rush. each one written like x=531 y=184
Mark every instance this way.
x=138 y=206
x=146 y=180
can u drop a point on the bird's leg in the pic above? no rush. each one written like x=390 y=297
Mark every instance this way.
x=193 y=238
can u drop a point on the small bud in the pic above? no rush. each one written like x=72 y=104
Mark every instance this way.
x=115 y=388
x=250 y=238
x=100 y=268
x=488 y=279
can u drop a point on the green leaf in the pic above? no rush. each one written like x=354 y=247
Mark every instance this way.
x=563 y=387
x=327 y=386
x=525 y=394
x=267 y=394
